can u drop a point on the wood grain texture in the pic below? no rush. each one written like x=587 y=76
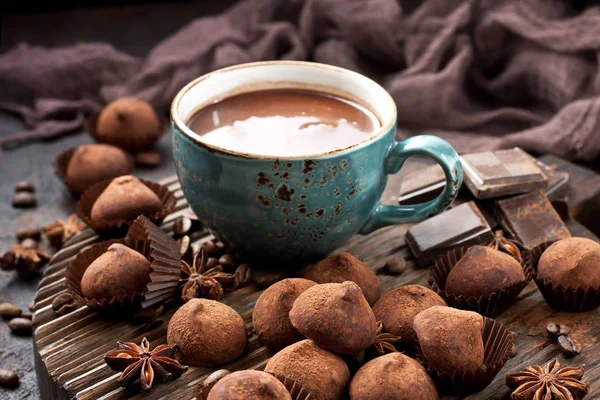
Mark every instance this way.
x=70 y=348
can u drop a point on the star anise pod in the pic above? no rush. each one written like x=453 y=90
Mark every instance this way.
x=548 y=383
x=500 y=242
x=383 y=341
x=200 y=281
x=61 y=231
x=138 y=363
x=24 y=260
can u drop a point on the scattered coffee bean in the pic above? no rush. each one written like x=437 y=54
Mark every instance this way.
x=395 y=266
x=181 y=226
x=212 y=262
x=564 y=330
x=220 y=248
x=9 y=311
x=63 y=304
x=148 y=159
x=210 y=248
x=24 y=186
x=8 y=379
x=24 y=200
x=20 y=326
x=266 y=277
x=228 y=260
x=243 y=275
x=553 y=330
x=513 y=351
x=570 y=347
x=29 y=244
x=29 y=233
x=26 y=314
x=185 y=248
x=208 y=383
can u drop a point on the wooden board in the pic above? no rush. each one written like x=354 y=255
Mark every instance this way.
x=69 y=349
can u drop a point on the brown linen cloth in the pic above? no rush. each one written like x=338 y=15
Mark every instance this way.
x=483 y=74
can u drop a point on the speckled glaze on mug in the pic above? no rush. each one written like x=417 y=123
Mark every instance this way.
x=300 y=207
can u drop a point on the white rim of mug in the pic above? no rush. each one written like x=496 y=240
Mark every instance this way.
x=183 y=128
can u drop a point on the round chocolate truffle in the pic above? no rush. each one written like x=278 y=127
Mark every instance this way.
x=450 y=339
x=483 y=271
x=207 y=333
x=397 y=310
x=393 y=376
x=571 y=262
x=128 y=123
x=120 y=271
x=249 y=385
x=336 y=316
x=124 y=199
x=271 y=315
x=345 y=267
x=93 y=163
x=319 y=371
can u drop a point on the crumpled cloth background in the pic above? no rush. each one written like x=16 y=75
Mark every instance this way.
x=483 y=74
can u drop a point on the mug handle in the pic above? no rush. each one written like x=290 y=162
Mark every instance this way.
x=446 y=157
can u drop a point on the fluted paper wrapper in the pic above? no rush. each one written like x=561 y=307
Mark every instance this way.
x=154 y=244
x=130 y=143
x=490 y=306
x=116 y=228
x=297 y=391
x=497 y=343
x=559 y=297
x=62 y=162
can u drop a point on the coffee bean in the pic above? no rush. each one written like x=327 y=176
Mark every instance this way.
x=266 y=277
x=181 y=226
x=24 y=200
x=29 y=233
x=63 y=304
x=243 y=275
x=27 y=314
x=29 y=244
x=564 y=330
x=9 y=311
x=186 y=249
x=569 y=347
x=20 y=326
x=553 y=330
x=212 y=262
x=24 y=186
x=513 y=351
x=208 y=383
x=228 y=260
x=395 y=266
x=8 y=379
x=148 y=159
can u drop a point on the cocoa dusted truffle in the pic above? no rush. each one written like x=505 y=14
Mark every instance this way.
x=249 y=385
x=450 y=339
x=319 y=371
x=345 y=267
x=573 y=262
x=271 y=315
x=207 y=333
x=398 y=308
x=336 y=316
x=124 y=199
x=483 y=271
x=128 y=123
x=119 y=272
x=93 y=163
x=392 y=377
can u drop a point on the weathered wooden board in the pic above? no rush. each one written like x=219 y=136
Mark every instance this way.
x=70 y=349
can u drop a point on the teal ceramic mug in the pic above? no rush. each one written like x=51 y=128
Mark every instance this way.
x=299 y=207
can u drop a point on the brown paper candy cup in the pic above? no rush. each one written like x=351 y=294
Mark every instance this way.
x=559 y=297
x=490 y=306
x=147 y=239
x=497 y=344
x=297 y=391
x=116 y=228
x=130 y=143
x=62 y=162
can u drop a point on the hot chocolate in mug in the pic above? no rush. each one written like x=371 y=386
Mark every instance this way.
x=298 y=206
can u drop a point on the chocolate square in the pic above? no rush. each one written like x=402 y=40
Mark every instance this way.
x=463 y=225
x=531 y=219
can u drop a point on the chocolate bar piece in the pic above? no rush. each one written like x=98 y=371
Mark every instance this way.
x=463 y=225
x=558 y=185
x=531 y=219
x=501 y=173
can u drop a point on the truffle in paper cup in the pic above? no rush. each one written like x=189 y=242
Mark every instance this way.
x=99 y=162
x=497 y=343
x=558 y=296
x=89 y=197
x=491 y=305
x=157 y=247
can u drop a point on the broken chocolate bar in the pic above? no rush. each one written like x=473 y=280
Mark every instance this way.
x=463 y=225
